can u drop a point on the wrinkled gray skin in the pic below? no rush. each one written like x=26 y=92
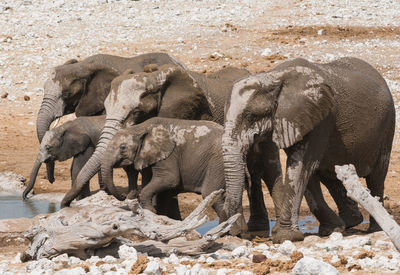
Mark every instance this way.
x=184 y=156
x=74 y=139
x=82 y=87
x=171 y=92
x=321 y=115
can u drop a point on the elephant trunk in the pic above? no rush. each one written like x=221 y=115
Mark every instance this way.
x=234 y=168
x=92 y=166
x=32 y=178
x=51 y=108
x=107 y=166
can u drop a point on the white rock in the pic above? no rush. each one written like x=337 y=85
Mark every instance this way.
x=74 y=271
x=93 y=259
x=95 y=270
x=127 y=252
x=244 y=272
x=42 y=264
x=210 y=260
x=12 y=183
x=153 y=268
x=311 y=266
x=286 y=248
x=223 y=271
x=261 y=247
x=173 y=259
x=355 y=242
x=17 y=259
x=335 y=237
x=266 y=52
x=74 y=261
x=109 y=259
x=181 y=270
x=241 y=251
x=321 y=32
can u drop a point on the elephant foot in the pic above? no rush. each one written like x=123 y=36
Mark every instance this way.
x=355 y=218
x=373 y=227
x=258 y=224
x=134 y=194
x=284 y=234
x=65 y=203
x=327 y=229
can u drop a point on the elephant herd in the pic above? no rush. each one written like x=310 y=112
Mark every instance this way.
x=190 y=132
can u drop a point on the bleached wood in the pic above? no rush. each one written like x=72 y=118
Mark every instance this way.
x=348 y=175
x=78 y=230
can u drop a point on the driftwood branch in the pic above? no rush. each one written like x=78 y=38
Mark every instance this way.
x=348 y=175
x=89 y=227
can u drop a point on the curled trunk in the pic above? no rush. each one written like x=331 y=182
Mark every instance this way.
x=93 y=164
x=32 y=178
x=107 y=166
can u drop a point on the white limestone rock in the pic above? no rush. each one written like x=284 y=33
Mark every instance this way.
x=311 y=266
x=286 y=248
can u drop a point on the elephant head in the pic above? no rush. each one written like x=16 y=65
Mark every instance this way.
x=67 y=91
x=140 y=145
x=169 y=91
x=283 y=105
x=60 y=144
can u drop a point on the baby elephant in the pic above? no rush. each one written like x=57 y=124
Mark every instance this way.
x=184 y=155
x=77 y=139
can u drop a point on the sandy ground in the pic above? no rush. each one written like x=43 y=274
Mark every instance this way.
x=274 y=34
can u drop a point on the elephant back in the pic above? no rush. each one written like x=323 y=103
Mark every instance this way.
x=217 y=88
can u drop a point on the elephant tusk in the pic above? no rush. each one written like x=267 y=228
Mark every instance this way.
x=56 y=123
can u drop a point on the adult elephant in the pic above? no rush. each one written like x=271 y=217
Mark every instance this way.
x=321 y=115
x=82 y=87
x=168 y=92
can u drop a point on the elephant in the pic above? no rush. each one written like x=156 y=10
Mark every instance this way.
x=183 y=155
x=173 y=92
x=322 y=115
x=82 y=86
x=76 y=138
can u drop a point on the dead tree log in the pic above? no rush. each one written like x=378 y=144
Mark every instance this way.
x=81 y=230
x=348 y=175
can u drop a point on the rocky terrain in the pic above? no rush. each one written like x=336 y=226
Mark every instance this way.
x=206 y=35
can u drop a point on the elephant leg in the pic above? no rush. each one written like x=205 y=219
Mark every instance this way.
x=165 y=177
x=272 y=174
x=167 y=204
x=258 y=222
x=348 y=209
x=303 y=159
x=77 y=164
x=328 y=220
x=376 y=184
x=132 y=174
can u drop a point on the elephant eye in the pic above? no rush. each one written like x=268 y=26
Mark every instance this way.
x=123 y=147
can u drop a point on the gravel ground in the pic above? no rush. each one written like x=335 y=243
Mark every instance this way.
x=205 y=35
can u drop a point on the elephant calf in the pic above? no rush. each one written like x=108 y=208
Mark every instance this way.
x=184 y=155
x=77 y=139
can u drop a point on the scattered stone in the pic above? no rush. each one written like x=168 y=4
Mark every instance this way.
x=321 y=32
x=127 y=252
x=4 y=95
x=241 y=251
x=296 y=256
x=336 y=237
x=140 y=265
x=286 y=248
x=258 y=258
x=27 y=98
x=153 y=268
x=266 y=52
x=311 y=266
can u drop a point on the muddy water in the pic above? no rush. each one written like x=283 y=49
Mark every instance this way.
x=307 y=225
x=13 y=206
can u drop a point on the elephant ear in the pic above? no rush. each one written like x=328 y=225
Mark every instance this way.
x=73 y=143
x=302 y=104
x=153 y=147
x=97 y=88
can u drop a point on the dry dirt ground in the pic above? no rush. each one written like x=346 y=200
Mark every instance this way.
x=230 y=45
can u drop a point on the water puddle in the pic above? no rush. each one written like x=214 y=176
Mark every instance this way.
x=307 y=225
x=13 y=206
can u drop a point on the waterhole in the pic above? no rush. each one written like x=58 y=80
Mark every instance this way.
x=307 y=225
x=13 y=206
